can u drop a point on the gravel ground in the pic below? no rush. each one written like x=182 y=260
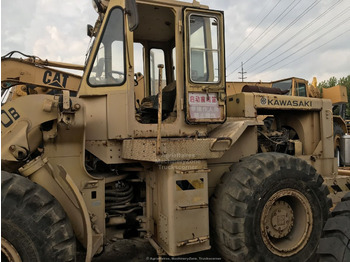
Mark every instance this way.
x=140 y=250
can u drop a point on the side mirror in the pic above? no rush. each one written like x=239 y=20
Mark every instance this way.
x=90 y=30
x=131 y=12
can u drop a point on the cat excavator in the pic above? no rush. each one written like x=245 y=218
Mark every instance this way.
x=32 y=75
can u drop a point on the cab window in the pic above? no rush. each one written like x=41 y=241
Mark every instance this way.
x=300 y=89
x=109 y=64
x=204 y=52
x=284 y=85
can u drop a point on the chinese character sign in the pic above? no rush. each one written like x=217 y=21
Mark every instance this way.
x=204 y=106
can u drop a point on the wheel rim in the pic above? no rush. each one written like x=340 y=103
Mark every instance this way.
x=9 y=251
x=286 y=222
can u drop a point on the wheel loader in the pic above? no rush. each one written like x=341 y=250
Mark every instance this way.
x=163 y=154
x=300 y=87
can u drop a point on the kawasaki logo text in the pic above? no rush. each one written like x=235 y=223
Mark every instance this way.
x=272 y=102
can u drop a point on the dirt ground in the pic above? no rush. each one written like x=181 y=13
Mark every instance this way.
x=140 y=250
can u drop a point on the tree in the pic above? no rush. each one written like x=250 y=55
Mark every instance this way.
x=345 y=81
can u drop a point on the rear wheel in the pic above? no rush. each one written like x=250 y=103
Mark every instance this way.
x=335 y=245
x=269 y=207
x=34 y=226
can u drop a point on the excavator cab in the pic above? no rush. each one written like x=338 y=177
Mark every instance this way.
x=294 y=86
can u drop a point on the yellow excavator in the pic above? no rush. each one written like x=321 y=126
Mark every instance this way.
x=32 y=75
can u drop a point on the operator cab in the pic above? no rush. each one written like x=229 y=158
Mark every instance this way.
x=155 y=55
x=294 y=86
x=176 y=49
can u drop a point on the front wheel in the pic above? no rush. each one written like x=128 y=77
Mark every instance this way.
x=269 y=207
x=34 y=226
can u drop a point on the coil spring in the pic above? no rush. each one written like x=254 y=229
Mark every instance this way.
x=118 y=199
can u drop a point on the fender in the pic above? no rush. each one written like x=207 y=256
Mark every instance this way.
x=37 y=121
x=59 y=184
x=231 y=131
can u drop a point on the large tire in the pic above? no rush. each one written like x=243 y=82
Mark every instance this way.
x=34 y=226
x=335 y=244
x=269 y=207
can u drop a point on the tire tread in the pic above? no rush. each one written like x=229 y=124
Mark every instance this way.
x=335 y=244
x=228 y=214
x=37 y=213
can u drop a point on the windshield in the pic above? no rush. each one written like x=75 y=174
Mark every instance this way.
x=109 y=63
x=284 y=85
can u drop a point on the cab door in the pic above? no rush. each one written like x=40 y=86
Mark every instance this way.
x=300 y=88
x=106 y=82
x=205 y=93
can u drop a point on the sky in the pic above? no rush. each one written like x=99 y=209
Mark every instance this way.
x=274 y=39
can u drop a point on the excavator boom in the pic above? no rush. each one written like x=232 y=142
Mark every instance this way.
x=36 y=76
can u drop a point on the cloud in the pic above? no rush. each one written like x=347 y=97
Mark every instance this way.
x=278 y=41
x=56 y=30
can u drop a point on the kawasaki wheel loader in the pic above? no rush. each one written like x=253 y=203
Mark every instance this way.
x=152 y=147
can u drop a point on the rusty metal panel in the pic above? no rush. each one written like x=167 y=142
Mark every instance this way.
x=109 y=151
x=177 y=149
x=172 y=149
x=181 y=197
